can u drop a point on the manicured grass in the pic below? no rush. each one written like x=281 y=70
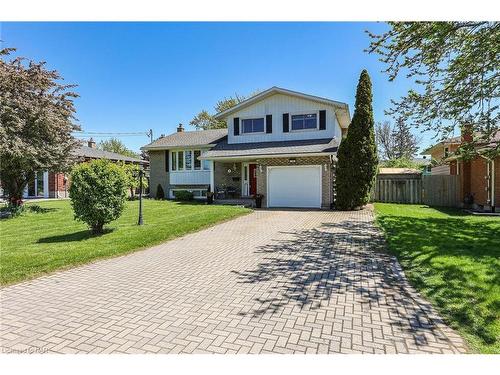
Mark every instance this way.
x=37 y=243
x=453 y=259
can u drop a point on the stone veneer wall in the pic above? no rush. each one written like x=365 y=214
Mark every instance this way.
x=158 y=174
x=223 y=179
x=312 y=160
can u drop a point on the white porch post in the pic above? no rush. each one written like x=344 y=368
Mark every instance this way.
x=46 y=184
x=212 y=177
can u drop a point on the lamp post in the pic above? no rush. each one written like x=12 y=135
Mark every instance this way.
x=140 y=222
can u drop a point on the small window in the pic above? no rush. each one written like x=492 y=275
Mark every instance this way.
x=181 y=160
x=446 y=152
x=174 y=160
x=253 y=125
x=197 y=162
x=189 y=160
x=301 y=122
x=206 y=165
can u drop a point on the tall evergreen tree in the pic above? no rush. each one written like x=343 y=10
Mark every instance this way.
x=357 y=155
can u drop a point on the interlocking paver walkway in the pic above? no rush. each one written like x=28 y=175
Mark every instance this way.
x=268 y=282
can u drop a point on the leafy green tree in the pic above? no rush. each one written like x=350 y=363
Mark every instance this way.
x=36 y=122
x=402 y=162
x=455 y=69
x=357 y=154
x=132 y=173
x=117 y=146
x=98 y=193
x=205 y=120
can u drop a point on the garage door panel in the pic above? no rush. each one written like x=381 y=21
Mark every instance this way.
x=298 y=186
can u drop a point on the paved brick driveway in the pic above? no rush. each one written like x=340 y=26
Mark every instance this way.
x=272 y=281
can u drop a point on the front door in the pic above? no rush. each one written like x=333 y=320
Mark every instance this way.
x=253 y=178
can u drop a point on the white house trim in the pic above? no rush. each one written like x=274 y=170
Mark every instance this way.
x=270 y=156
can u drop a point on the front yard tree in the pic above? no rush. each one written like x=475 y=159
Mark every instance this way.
x=455 y=69
x=36 y=122
x=98 y=193
x=357 y=154
x=117 y=146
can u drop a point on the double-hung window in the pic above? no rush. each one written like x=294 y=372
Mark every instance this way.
x=304 y=122
x=253 y=125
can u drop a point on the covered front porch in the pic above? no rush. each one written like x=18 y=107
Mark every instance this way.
x=234 y=180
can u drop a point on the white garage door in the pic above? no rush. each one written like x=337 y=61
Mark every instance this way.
x=297 y=186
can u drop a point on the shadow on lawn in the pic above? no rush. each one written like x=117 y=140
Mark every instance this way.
x=76 y=236
x=323 y=265
x=456 y=263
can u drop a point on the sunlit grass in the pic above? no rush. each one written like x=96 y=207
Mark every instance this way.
x=453 y=259
x=37 y=243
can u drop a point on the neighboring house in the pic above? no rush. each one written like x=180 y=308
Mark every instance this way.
x=279 y=143
x=48 y=184
x=440 y=152
x=479 y=177
x=425 y=163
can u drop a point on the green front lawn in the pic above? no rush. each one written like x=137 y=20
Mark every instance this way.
x=37 y=243
x=453 y=259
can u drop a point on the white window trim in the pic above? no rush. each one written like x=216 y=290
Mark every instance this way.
x=184 y=151
x=303 y=113
x=252 y=118
x=171 y=194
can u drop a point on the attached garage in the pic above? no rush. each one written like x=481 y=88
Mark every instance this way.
x=294 y=186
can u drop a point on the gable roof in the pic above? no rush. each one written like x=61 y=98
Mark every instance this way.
x=274 y=148
x=188 y=139
x=94 y=153
x=342 y=109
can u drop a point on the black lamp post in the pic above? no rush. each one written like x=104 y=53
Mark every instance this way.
x=140 y=222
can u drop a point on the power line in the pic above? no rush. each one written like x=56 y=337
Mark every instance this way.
x=83 y=134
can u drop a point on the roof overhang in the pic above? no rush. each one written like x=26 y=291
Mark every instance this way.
x=341 y=109
x=267 y=156
x=166 y=147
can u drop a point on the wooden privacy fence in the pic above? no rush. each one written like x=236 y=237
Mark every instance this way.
x=437 y=190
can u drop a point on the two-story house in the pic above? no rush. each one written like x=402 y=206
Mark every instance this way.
x=279 y=143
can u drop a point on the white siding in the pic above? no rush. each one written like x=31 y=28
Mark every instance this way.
x=190 y=178
x=276 y=105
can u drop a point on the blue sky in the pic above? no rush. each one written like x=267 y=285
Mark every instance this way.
x=135 y=76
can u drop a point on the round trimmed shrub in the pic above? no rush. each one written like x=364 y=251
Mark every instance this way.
x=183 y=195
x=98 y=193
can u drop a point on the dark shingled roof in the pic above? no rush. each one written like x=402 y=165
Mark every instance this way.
x=309 y=146
x=94 y=153
x=192 y=138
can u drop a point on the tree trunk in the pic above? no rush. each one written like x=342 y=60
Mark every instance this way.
x=15 y=185
x=97 y=228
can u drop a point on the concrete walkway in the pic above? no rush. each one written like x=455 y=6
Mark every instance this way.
x=269 y=282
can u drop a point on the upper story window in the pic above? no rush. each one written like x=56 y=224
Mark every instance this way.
x=305 y=121
x=446 y=152
x=188 y=160
x=253 y=125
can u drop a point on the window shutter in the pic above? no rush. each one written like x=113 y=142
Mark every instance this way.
x=269 y=124
x=286 y=127
x=167 y=164
x=236 y=125
x=322 y=120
